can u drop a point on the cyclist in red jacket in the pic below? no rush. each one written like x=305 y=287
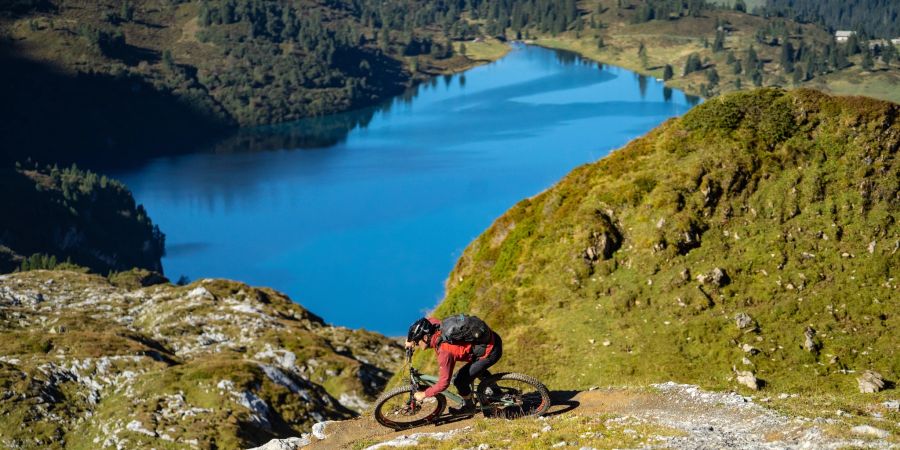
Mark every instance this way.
x=426 y=332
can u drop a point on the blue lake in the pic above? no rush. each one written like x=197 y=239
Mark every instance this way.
x=361 y=216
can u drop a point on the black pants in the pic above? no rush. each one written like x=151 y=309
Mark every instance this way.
x=477 y=368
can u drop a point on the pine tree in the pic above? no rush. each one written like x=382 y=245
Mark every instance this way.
x=668 y=73
x=787 y=57
x=868 y=63
x=752 y=61
x=853 y=44
x=719 y=43
x=757 y=77
x=712 y=76
x=888 y=54
x=127 y=11
x=642 y=54
x=168 y=60
x=692 y=64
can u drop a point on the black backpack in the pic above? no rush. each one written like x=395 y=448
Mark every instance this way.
x=462 y=328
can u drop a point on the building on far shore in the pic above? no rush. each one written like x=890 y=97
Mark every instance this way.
x=843 y=35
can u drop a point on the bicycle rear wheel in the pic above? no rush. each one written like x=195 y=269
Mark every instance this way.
x=511 y=395
x=393 y=409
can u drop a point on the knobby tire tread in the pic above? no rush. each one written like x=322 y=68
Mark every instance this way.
x=534 y=382
x=405 y=390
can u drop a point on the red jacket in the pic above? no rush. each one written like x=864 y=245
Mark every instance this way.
x=447 y=355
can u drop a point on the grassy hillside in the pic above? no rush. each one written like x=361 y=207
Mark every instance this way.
x=74 y=215
x=776 y=208
x=88 y=362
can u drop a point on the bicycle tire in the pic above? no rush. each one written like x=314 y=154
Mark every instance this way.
x=539 y=388
x=389 y=420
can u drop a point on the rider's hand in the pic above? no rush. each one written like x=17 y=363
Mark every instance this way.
x=419 y=396
x=410 y=344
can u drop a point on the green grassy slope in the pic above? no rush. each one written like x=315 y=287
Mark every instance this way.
x=597 y=281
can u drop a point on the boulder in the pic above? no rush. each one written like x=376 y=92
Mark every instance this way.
x=868 y=430
x=293 y=443
x=743 y=321
x=719 y=277
x=320 y=429
x=870 y=382
x=746 y=378
x=716 y=277
x=809 y=342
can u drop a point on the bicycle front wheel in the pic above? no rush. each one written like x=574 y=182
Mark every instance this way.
x=394 y=410
x=511 y=395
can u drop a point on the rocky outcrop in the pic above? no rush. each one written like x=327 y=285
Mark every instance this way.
x=870 y=382
x=92 y=364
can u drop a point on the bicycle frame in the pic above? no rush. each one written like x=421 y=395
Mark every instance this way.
x=420 y=380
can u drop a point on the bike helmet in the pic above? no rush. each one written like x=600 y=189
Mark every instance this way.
x=420 y=329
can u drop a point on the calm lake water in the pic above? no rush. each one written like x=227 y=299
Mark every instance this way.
x=361 y=216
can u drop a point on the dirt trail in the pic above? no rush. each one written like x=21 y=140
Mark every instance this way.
x=707 y=420
x=342 y=434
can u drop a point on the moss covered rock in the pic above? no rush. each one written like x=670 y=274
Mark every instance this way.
x=86 y=363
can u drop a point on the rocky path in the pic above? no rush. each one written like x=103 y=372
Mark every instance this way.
x=695 y=419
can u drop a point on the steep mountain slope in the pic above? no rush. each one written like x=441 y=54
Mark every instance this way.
x=758 y=233
x=87 y=362
x=74 y=215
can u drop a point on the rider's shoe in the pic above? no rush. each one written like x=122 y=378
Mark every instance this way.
x=468 y=408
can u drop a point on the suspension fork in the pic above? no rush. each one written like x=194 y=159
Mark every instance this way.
x=412 y=379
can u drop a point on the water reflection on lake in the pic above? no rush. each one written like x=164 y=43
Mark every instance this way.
x=361 y=216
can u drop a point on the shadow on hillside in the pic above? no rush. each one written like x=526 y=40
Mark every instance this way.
x=96 y=119
x=562 y=402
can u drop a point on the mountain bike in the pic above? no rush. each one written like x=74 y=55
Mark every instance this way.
x=506 y=395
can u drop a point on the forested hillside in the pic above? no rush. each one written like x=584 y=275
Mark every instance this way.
x=101 y=80
x=111 y=81
x=751 y=243
x=875 y=18
x=52 y=215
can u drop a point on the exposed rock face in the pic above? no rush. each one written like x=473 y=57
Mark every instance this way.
x=604 y=240
x=216 y=363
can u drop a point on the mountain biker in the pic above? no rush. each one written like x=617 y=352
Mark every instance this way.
x=426 y=332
